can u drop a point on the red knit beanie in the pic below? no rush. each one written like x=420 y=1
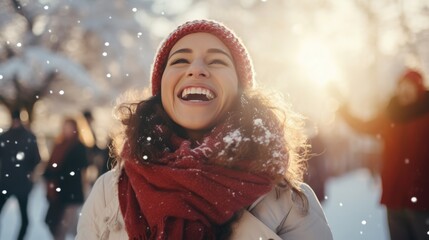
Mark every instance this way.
x=242 y=61
x=415 y=78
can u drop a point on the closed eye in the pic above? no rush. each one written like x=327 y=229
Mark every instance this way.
x=179 y=60
x=218 y=61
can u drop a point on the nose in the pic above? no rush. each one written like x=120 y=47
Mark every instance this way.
x=198 y=68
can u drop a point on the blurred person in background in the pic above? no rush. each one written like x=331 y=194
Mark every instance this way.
x=19 y=155
x=404 y=129
x=65 y=180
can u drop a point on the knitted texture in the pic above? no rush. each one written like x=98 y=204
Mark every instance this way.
x=185 y=198
x=242 y=61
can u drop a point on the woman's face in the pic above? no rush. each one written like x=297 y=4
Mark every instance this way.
x=406 y=93
x=199 y=84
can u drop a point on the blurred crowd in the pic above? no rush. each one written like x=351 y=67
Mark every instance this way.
x=396 y=150
x=74 y=164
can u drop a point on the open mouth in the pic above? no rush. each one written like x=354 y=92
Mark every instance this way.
x=197 y=94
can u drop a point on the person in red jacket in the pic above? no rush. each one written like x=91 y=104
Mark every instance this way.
x=404 y=128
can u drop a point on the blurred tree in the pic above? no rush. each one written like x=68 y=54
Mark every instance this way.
x=93 y=51
x=82 y=52
x=28 y=64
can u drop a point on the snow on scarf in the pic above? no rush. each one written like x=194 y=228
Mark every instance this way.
x=193 y=190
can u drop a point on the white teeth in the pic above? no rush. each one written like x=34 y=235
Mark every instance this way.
x=197 y=90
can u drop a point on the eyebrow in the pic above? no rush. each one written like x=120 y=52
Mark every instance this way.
x=217 y=50
x=210 y=50
x=182 y=50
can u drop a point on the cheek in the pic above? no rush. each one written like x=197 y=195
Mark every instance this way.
x=230 y=86
x=167 y=100
x=167 y=91
x=168 y=81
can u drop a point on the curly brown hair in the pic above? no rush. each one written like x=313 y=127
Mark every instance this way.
x=140 y=120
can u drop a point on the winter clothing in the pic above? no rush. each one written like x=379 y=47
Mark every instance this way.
x=196 y=191
x=274 y=215
x=401 y=221
x=404 y=130
x=64 y=168
x=405 y=163
x=405 y=154
x=19 y=156
x=183 y=201
x=192 y=188
x=398 y=113
x=176 y=188
x=64 y=182
x=184 y=198
x=242 y=61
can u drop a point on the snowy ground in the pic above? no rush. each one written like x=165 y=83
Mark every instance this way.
x=352 y=210
x=352 y=207
x=10 y=219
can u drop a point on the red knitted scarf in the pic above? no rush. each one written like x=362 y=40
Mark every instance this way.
x=185 y=198
x=193 y=188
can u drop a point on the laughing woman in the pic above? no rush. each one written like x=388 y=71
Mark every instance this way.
x=207 y=156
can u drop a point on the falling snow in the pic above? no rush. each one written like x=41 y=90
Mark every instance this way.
x=20 y=156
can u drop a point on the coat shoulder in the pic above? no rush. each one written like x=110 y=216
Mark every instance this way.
x=100 y=216
x=284 y=212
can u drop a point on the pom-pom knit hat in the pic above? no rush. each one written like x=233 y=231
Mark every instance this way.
x=415 y=78
x=242 y=61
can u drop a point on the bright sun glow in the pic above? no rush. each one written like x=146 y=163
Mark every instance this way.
x=316 y=62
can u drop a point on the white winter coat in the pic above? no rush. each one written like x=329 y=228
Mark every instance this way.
x=270 y=217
